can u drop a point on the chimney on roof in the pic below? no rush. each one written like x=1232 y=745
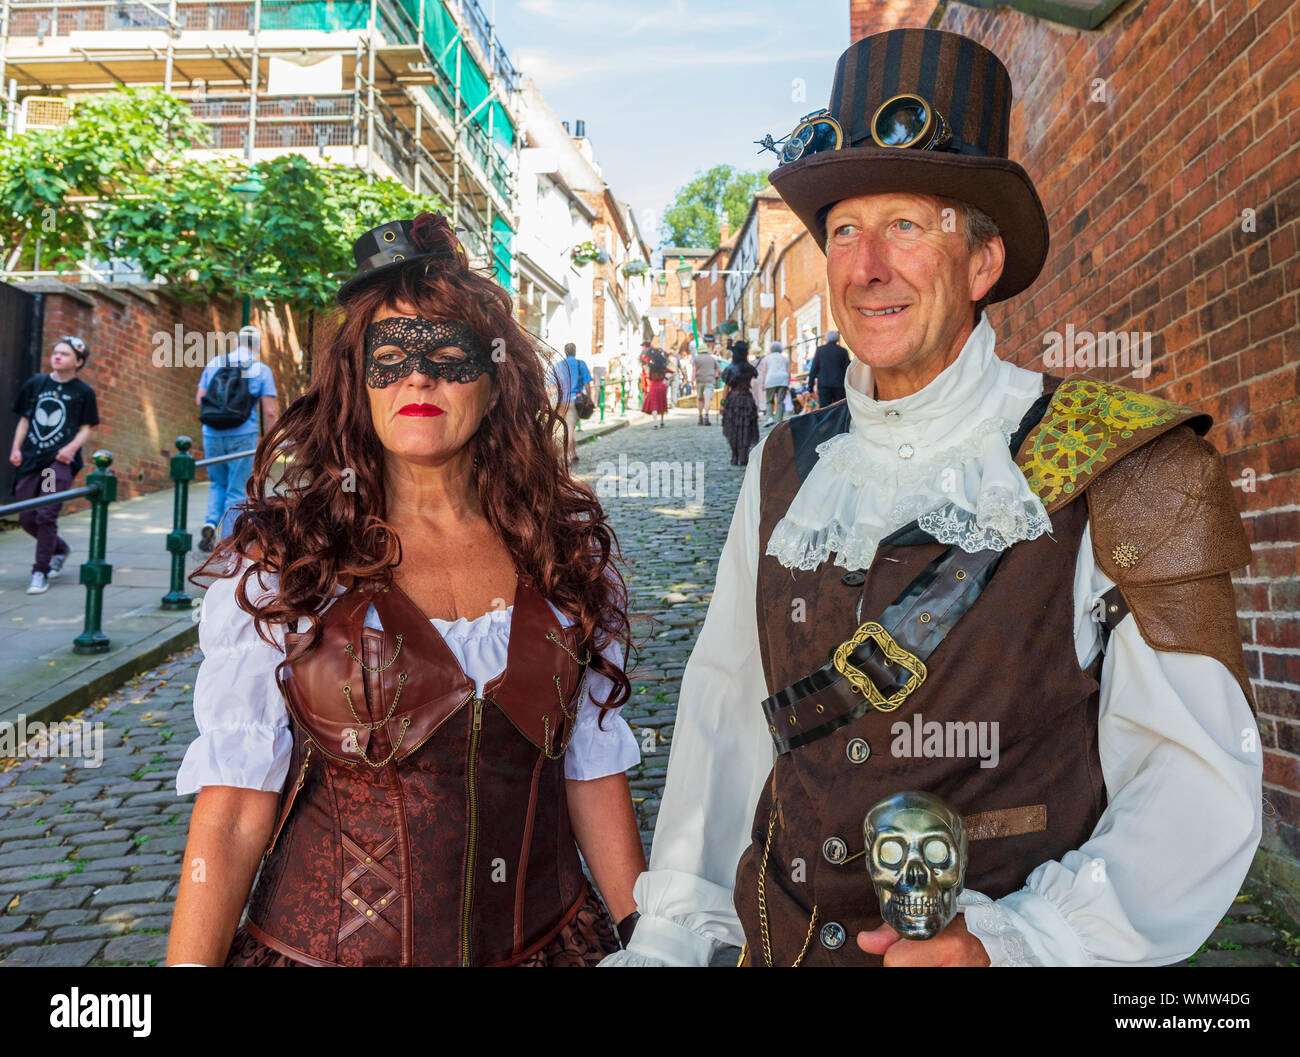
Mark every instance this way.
x=724 y=230
x=580 y=129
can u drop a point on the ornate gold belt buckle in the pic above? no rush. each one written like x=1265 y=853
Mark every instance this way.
x=894 y=654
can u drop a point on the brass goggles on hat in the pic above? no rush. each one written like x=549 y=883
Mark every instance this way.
x=904 y=121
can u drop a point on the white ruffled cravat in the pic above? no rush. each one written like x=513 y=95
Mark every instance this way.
x=938 y=456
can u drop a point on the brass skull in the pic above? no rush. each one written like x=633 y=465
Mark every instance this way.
x=916 y=854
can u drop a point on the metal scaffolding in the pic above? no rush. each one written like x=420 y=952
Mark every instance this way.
x=426 y=95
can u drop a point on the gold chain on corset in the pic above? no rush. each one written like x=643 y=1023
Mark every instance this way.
x=551 y=635
x=572 y=717
x=383 y=668
x=406 y=722
x=397 y=696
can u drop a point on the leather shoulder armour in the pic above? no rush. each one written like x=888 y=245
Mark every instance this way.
x=1164 y=523
x=1166 y=529
x=1088 y=426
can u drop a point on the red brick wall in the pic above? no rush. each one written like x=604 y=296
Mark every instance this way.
x=144 y=407
x=803 y=267
x=1145 y=194
x=877 y=16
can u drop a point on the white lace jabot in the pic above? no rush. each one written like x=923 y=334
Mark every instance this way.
x=938 y=456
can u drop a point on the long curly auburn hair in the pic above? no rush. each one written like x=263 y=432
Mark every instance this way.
x=325 y=519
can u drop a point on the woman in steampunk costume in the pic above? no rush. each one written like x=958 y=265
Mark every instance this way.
x=739 y=412
x=971 y=580
x=408 y=704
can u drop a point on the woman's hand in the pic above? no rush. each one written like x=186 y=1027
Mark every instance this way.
x=604 y=825
x=229 y=830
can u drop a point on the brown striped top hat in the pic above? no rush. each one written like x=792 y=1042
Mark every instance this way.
x=924 y=111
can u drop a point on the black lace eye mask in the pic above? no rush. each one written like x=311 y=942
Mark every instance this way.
x=397 y=347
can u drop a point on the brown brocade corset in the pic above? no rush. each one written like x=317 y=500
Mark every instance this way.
x=421 y=824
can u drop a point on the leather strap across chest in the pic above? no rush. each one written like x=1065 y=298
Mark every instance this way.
x=884 y=661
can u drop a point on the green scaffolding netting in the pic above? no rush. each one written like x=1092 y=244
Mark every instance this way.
x=326 y=15
x=502 y=254
x=490 y=134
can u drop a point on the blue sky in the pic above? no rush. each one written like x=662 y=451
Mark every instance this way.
x=673 y=87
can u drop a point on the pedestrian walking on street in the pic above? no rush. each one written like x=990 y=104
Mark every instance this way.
x=657 y=370
x=705 y=368
x=826 y=376
x=437 y=696
x=231 y=389
x=55 y=414
x=775 y=377
x=756 y=386
x=618 y=381
x=739 y=412
x=571 y=379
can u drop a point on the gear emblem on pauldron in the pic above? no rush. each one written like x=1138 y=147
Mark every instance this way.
x=1079 y=430
x=1125 y=555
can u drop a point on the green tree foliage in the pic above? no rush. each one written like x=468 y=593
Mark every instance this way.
x=117 y=178
x=692 y=217
x=112 y=144
x=292 y=244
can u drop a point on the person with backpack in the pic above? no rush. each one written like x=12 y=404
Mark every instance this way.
x=56 y=412
x=230 y=389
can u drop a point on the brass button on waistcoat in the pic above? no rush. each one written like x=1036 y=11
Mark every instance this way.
x=833 y=935
x=857 y=751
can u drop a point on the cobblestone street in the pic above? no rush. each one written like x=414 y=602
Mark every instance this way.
x=90 y=857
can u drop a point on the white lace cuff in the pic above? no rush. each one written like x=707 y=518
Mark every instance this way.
x=1021 y=929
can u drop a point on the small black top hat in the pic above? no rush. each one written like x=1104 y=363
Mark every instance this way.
x=948 y=99
x=399 y=242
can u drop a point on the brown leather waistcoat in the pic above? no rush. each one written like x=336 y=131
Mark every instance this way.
x=1010 y=661
x=421 y=824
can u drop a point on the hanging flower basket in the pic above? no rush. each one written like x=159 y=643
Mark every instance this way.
x=632 y=268
x=586 y=252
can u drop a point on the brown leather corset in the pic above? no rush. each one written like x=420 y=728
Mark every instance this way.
x=421 y=824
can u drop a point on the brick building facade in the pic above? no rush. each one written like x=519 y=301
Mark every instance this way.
x=144 y=379
x=1165 y=144
x=769 y=224
x=802 y=314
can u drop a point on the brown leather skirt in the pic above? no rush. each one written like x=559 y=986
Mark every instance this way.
x=584 y=941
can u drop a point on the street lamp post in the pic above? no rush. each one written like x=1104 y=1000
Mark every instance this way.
x=685 y=275
x=247 y=191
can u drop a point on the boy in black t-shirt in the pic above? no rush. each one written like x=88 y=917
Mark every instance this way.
x=58 y=409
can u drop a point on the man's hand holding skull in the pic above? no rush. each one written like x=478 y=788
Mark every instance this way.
x=953 y=946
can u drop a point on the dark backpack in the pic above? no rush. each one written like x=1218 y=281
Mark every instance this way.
x=228 y=401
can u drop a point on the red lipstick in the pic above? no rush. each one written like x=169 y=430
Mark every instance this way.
x=421 y=410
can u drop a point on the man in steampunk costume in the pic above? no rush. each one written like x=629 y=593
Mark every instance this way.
x=970 y=580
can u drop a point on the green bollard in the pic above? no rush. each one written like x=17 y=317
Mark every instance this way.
x=178 y=539
x=95 y=572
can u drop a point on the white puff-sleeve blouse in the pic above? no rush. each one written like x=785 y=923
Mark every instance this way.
x=244 y=738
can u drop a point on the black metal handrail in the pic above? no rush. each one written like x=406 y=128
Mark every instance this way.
x=96 y=573
x=179 y=540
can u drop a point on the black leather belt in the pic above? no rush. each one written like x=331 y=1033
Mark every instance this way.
x=884 y=660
